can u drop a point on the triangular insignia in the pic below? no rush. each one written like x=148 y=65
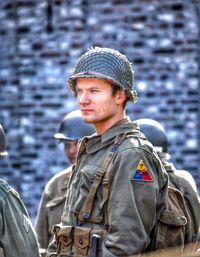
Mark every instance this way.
x=141 y=173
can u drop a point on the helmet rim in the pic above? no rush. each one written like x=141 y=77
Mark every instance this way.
x=131 y=95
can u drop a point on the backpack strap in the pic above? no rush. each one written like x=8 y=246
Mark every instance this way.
x=86 y=209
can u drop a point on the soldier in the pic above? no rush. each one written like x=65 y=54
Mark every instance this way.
x=118 y=184
x=17 y=236
x=179 y=179
x=72 y=128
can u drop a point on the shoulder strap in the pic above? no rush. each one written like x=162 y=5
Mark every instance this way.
x=105 y=183
x=86 y=209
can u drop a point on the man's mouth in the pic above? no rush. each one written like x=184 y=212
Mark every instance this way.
x=86 y=110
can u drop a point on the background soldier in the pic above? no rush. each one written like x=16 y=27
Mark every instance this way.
x=180 y=179
x=72 y=129
x=17 y=236
x=111 y=202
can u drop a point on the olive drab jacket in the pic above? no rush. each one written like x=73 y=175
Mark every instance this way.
x=17 y=236
x=183 y=181
x=125 y=204
x=51 y=207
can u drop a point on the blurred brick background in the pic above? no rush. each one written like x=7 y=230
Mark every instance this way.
x=40 y=41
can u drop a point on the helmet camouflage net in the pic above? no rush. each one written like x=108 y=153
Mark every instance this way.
x=108 y=64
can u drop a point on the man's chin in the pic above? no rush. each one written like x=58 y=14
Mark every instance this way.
x=72 y=161
x=87 y=119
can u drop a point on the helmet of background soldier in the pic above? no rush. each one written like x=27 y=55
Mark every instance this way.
x=108 y=64
x=155 y=133
x=2 y=142
x=72 y=127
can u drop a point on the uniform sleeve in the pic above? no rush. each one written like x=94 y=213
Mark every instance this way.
x=132 y=203
x=41 y=223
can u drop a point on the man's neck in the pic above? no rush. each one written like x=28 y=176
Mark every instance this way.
x=102 y=127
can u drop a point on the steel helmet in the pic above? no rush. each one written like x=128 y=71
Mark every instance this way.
x=72 y=127
x=155 y=133
x=2 y=142
x=105 y=63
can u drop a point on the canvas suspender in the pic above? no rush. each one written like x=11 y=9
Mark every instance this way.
x=86 y=209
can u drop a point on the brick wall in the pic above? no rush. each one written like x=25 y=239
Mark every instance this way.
x=40 y=40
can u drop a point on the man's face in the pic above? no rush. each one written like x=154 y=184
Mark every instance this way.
x=70 y=148
x=97 y=104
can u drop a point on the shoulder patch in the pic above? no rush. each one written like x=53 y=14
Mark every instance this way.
x=142 y=173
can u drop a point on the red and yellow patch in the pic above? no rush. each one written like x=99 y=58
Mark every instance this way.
x=142 y=173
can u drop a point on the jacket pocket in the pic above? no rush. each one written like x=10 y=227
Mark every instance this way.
x=87 y=174
x=170 y=230
x=173 y=222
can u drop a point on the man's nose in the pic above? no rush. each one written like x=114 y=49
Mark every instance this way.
x=84 y=98
x=72 y=149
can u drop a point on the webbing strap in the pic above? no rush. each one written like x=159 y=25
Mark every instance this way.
x=106 y=187
x=86 y=209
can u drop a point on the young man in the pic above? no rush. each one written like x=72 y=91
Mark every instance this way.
x=179 y=179
x=17 y=236
x=118 y=184
x=72 y=128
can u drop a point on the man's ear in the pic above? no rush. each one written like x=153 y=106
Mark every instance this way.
x=120 y=96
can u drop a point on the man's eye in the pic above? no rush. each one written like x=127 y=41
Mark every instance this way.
x=94 y=90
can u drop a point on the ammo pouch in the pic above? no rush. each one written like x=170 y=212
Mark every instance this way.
x=64 y=240
x=172 y=223
x=74 y=241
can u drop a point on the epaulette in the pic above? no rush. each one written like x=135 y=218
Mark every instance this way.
x=136 y=134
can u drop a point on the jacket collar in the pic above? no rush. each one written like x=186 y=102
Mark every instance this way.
x=97 y=142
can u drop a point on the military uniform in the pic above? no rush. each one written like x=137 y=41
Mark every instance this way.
x=51 y=207
x=183 y=181
x=17 y=236
x=137 y=187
